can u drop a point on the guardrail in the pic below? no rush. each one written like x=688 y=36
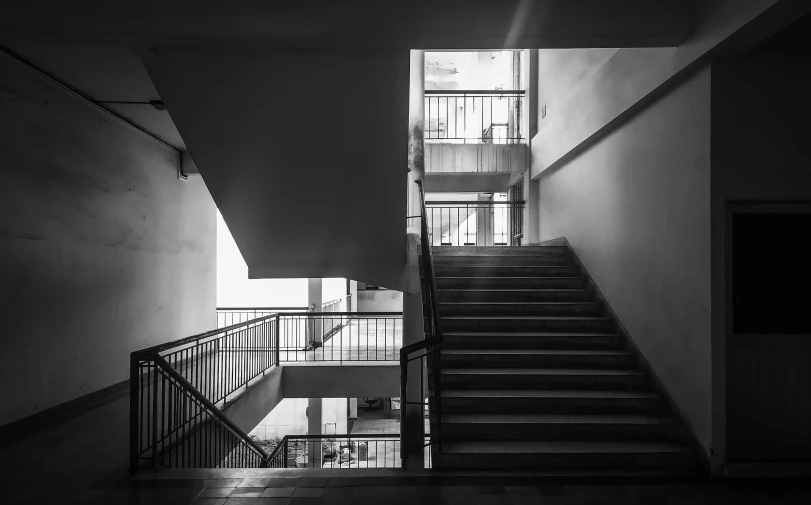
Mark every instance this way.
x=340 y=336
x=339 y=451
x=473 y=116
x=474 y=223
x=174 y=389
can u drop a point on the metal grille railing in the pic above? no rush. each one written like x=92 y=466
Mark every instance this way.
x=474 y=223
x=340 y=336
x=473 y=116
x=229 y=316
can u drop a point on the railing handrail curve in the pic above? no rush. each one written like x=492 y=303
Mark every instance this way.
x=453 y=92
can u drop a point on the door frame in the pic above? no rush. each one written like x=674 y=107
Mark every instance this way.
x=732 y=342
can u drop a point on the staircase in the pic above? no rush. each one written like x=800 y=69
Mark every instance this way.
x=535 y=375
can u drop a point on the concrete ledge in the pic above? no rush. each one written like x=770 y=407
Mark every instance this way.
x=341 y=381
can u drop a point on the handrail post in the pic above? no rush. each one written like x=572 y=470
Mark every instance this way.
x=134 y=412
x=278 y=341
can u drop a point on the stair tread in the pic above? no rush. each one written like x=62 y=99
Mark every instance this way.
x=519 y=303
x=523 y=318
x=548 y=393
x=555 y=419
x=561 y=447
x=509 y=277
x=539 y=334
x=539 y=352
x=539 y=371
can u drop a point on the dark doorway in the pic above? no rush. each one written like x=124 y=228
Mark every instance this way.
x=768 y=320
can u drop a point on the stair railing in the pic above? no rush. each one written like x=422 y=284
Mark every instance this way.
x=429 y=348
x=175 y=390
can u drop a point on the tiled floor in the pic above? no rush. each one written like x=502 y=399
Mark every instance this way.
x=84 y=461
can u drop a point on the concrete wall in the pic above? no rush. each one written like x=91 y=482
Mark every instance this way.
x=375 y=300
x=632 y=77
x=454 y=158
x=467 y=183
x=337 y=210
x=636 y=208
x=307 y=381
x=102 y=249
x=760 y=132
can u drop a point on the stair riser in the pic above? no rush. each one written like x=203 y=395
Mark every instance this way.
x=527 y=325
x=506 y=271
x=559 y=431
x=562 y=462
x=505 y=342
x=479 y=295
x=519 y=309
x=531 y=405
x=540 y=261
x=529 y=361
x=468 y=251
x=510 y=282
x=577 y=382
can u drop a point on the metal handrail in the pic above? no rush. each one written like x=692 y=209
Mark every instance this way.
x=453 y=92
x=472 y=202
x=233 y=428
x=408 y=353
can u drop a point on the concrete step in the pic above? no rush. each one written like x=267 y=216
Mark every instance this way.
x=563 y=455
x=510 y=282
x=521 y=308
x=581 y=427
x=549 y=259
x=543 y=378
x=451 y=270
x=515 y=295
x=551 y=401
x=530 y=340
x=438 y=251
x=568 y=324
x=532 y=358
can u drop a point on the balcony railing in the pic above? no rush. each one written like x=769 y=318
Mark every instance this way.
x=340 y=451
x=227 y=316
x=474 y=116
x=475 y=223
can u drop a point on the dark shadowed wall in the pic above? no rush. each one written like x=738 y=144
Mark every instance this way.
x=102 y=249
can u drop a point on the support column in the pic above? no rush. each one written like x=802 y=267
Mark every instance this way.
x=485 y=230
x=532 y=189
x=314 y=428
x=412 y=428
x=353 y=296
x=315 y=336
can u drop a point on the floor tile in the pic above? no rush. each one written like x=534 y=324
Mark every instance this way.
x=278 y=492
x=216 y=492
x=209 y=501
x=284 y=482
x=339 y=492
x=273 y=501
x=313 y=482
x=308 y=492
x=241 y=501
x=305 y=501
x=521 y=490
x=225 y=483
x=254 y=483
x=526 y=499
x=247 y=492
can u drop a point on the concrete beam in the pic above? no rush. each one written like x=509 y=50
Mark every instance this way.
x=253 y=406
x=336 y=381
x=422 y=24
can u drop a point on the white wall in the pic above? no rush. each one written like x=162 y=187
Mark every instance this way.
x=636 y=208
x=235 y=289
x=380 y=300
x=289 y=417
x=103 y=250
